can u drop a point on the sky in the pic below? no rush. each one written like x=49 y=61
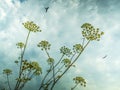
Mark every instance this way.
x=61 y=25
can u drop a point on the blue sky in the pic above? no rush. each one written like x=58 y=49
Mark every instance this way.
x=61 y=26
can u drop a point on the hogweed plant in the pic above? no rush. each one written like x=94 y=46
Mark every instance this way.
x=79 y=80
x=27 y=69
x=57 y=68
x=7 y=72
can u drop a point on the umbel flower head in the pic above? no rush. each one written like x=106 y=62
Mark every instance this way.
x=31 y=26
x=90 y=33
x=80 y=80
x=65 y=51
x=66 y=62
x=32 y=66
x=50 y=61
x=28 y=70
x=44 y=45
x=77 y=48
x=36 y=67
x=7 y=71
x=20 y=45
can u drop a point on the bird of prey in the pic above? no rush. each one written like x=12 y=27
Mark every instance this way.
x=46 y=9
x=104 y=57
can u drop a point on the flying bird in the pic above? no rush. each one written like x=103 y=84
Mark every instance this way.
x=46 y=9
x=104 y=57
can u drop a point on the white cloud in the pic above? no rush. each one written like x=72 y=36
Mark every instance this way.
x=2 y=14
x=61 y=26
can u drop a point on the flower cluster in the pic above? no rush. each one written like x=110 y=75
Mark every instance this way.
x=44 y=45
x=50 y=61
x=31 y=26
x=77 y=48
x=90 y=33
x=16 y=61
x=32 y=66
x=28 y=70
x=7 y=71
x=24 y=79
x=65 y=51
x=20 y=45
x=66 y=62
x=80 y=80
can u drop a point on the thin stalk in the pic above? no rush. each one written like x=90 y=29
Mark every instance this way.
x=69 y=65
x=63 y=64
x=52 y=66
x=19 y=69
x=22 y=55
x=42 y=83
x=50 y=71
x=43 y=80
x=54 y=70
x=47 y=53
x=83 y=41
x=74 y=86
x=8 y=82
x=59 y=61
x=55 y=73
x=49 y=81
x=72 y=56
x=29 y=76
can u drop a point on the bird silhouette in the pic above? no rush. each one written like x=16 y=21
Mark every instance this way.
x=46 y=9
x=104 y=57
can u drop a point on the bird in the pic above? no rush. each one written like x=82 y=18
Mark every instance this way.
x=104 y=57
x=46 y=9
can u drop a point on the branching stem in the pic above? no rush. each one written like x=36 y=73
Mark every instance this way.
x=21 y=58
x=74 y=86
x=8 y=82
x=70 y=65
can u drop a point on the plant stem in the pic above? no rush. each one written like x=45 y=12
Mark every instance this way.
x=83 y=41
x=59 y=61
x=47 y=53
x=53 y=73
x=22 y=55
x=74 y=86
x=50 y=80
x=57 y=65
x=8 y=82
x=69 y=65
x=52 y=66
x=27 y=75
x=51 y=69
x=72 y=56
x=42 y=83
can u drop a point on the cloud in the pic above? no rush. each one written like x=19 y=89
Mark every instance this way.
x=61 y=26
